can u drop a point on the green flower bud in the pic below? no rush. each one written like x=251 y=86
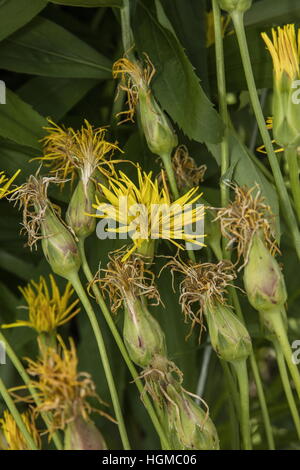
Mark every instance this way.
x=263 y=279
x=59 y=246
x=80 y=205
x=286 y=112
x=83 y=435
x=189 y=425
x=159 y=134
x=142 y=334
x=229 y=337
x=235 y=5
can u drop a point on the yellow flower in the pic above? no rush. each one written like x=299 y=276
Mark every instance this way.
x=284 y=51
x=62 y=390
x=68 y=152
x=5 y=184
x=284 y=48
x=14 y=439
x=46 y=310
x=146 y=212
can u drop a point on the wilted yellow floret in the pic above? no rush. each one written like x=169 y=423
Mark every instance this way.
x=14 y=439
x=62 y=390
x=5 y=184
x=68 y=152
x=46 y=310
x=158 y=216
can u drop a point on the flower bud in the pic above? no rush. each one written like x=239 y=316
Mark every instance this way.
x=83 y=435
x=190 y=426
x=80 y=205
x=235 y=5
x=143 y=335
x=159 y=134
x=229 y=337
x=59 y=246
x=286 y=113
x=263 y=280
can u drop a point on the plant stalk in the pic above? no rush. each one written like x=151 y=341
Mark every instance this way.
x=17 y=417
x=74 y=279
x=240 y=368
x=122 y=348
x=238 y=21
x=291 y=156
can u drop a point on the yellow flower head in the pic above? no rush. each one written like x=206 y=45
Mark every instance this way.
x=47 y=310
x=5 y=184
x=284 y=50
x=14 y=439
x=135 y=77
x=146 y=212
x=62 y=390
x=68 y=152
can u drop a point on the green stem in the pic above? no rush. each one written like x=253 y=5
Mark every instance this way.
x=127 y=36
x=233 y=400
x=17 y=417
x=240 y=368
x=291 y=155
x=74 y=279
x=237 y=18
x=272 y=319
x=287 y=386
x=222 y=100
x=166 y=158
x=122 y=348
x=26 y=379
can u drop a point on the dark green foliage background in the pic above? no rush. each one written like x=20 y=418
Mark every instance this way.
x=55 y=60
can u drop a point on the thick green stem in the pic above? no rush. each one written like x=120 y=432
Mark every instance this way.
x=291 y=155
x=122 y=348
x=222 y=100
x=237 y=18
x=16 y=415
x=240 y=368
x=26 y=379
x=74 y=279
x=287 y=386
x=272 y=319
x=167 y=161
x=233 y=400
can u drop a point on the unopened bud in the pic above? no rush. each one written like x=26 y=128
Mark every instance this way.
x=235 y=5
x=158 y=131
x=286 y=115
x=190 y=426
x=143 y=335
x=59 y=246
x=83 y=435
x=80 y=205
x=263 y=279
x=229 y=337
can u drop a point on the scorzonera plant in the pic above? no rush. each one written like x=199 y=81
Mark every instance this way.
x=151 y=242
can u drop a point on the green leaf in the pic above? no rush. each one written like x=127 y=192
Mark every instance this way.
x=16 y=13
x=243 y=171
x=175 y=84
x=54 y=97
x=20 y=123
x=45 y=48
x=90 y=3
